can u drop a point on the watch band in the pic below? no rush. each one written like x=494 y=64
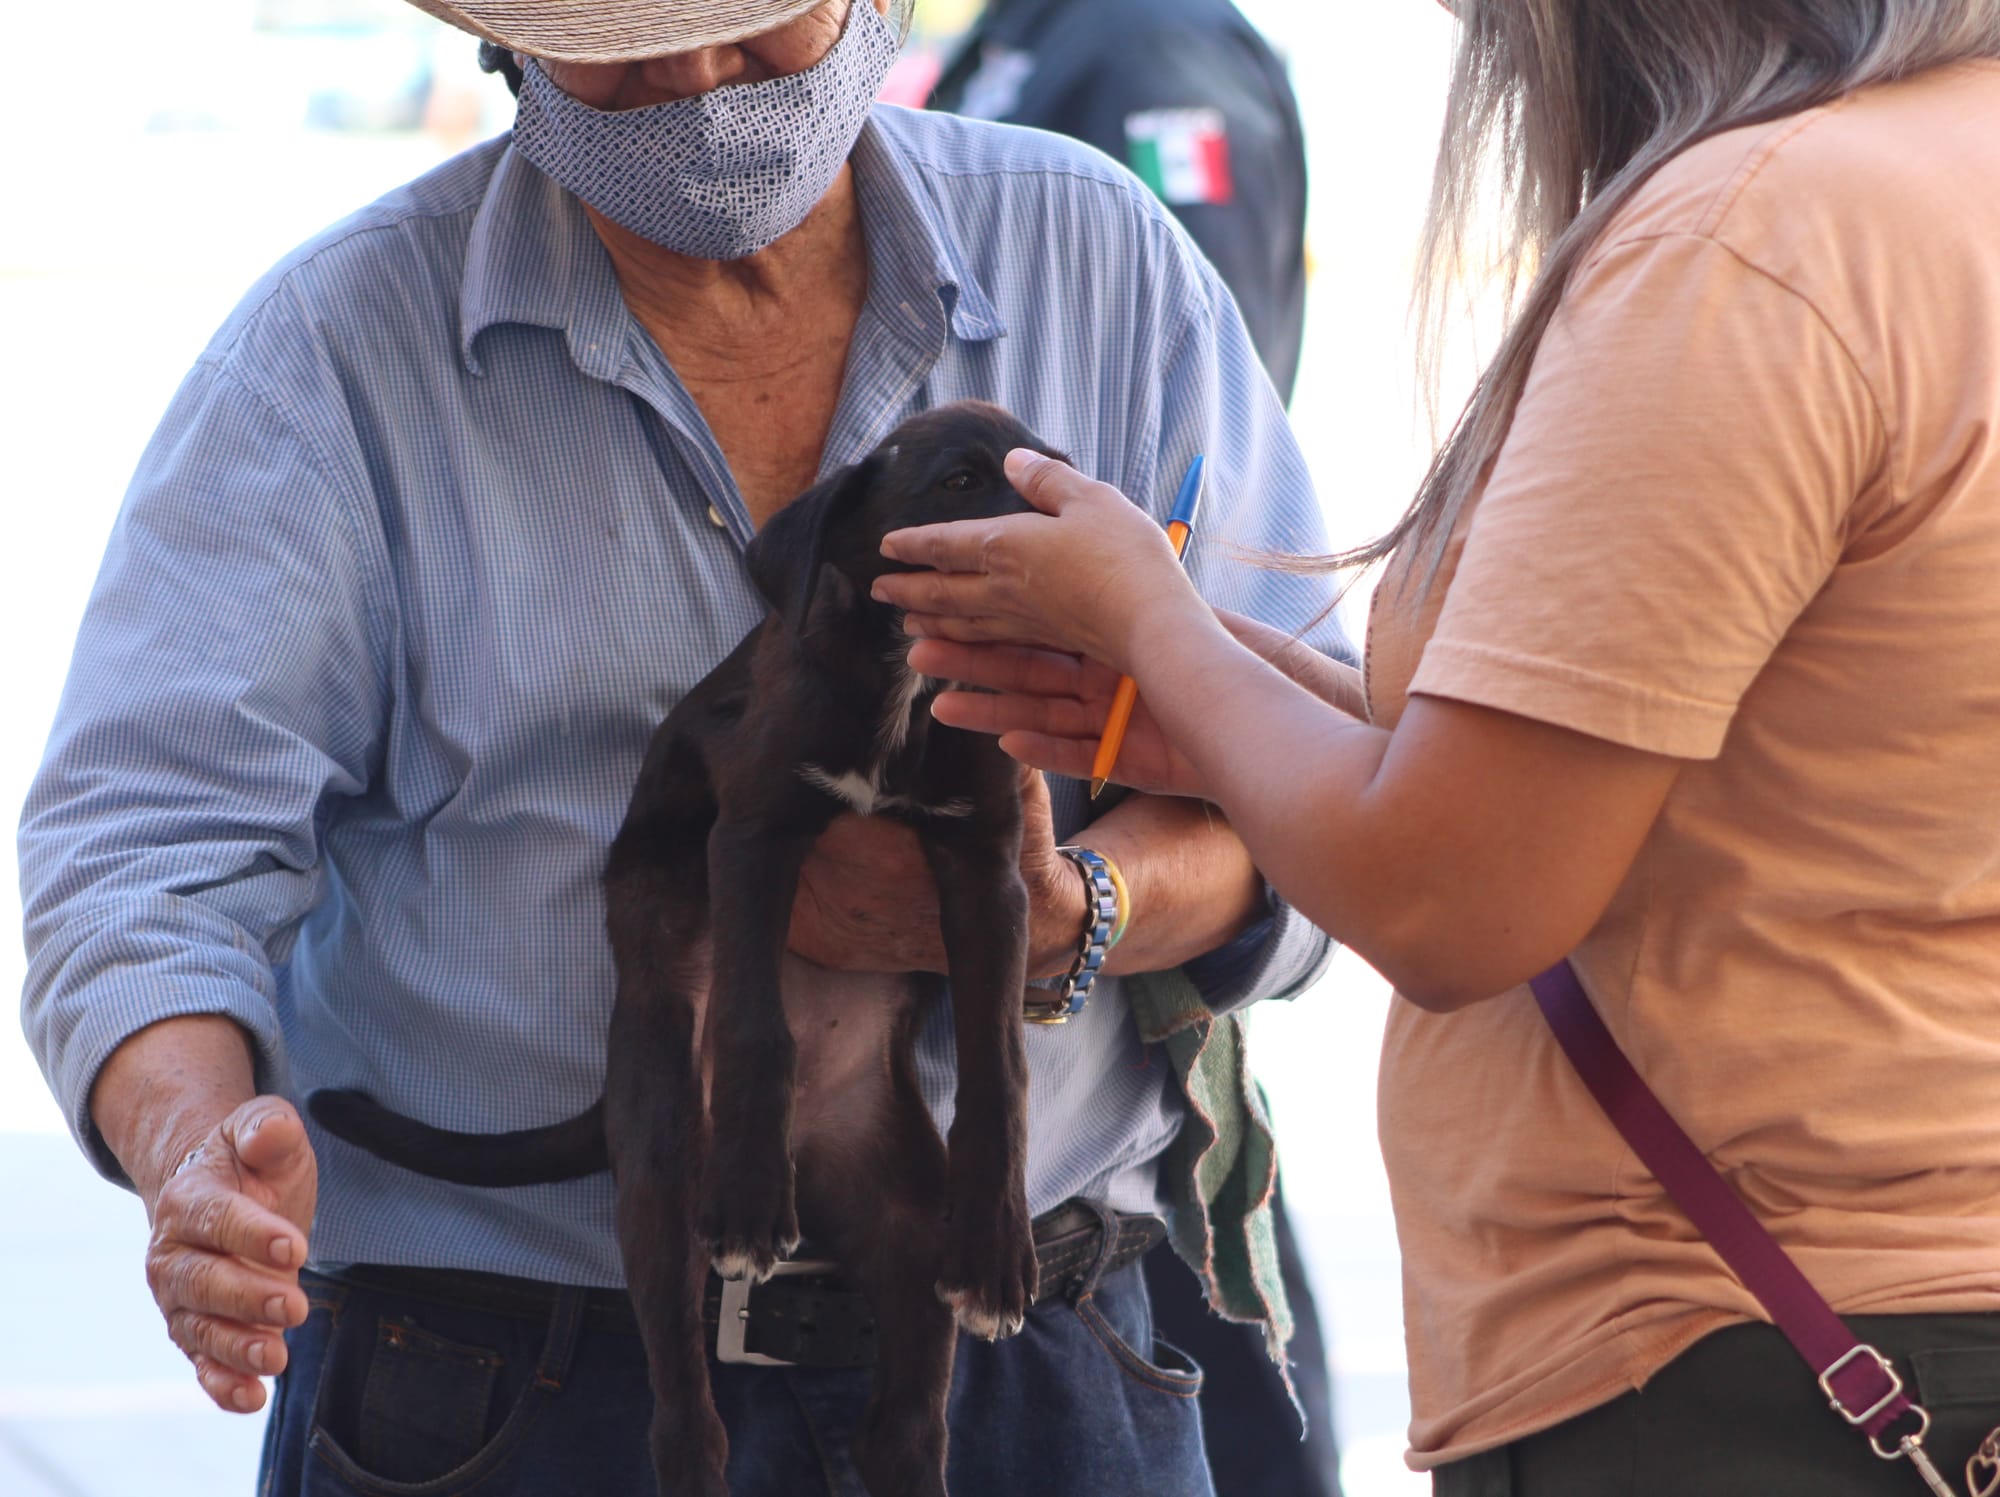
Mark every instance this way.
x=1102 y=914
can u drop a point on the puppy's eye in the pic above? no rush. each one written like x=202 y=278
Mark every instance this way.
x=959 y=480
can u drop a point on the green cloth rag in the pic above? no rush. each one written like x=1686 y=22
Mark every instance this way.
x=1221 y=1173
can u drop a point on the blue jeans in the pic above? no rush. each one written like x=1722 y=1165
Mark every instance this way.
x=389 y=1395
x=1247 y=1420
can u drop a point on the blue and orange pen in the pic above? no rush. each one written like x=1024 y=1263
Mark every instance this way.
x=1180 y=526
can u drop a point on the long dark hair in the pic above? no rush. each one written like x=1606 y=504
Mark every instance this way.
x=1566 y=108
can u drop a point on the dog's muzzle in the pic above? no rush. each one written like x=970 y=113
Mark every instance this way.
x=807 y=1314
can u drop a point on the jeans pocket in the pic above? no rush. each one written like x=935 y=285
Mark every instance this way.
x=1167 y=1369
x=404 y=1412
x=424 y=1403
x=1960 y=1386
x=1959 y=1377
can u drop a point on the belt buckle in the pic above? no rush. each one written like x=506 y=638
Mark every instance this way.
x=732 y=1321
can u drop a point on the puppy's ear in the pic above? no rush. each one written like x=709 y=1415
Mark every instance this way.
x=785 y=556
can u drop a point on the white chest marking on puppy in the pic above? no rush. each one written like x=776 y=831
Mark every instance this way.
x=895 y=724
x=864 y=791
x=866 y=797
x=857 y=791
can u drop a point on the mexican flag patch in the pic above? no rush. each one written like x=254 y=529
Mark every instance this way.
x=1182 y=154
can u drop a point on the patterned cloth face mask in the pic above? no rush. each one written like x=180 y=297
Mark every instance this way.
x=721 y=174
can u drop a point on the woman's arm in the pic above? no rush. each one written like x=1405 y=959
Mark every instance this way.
x=1460 y=856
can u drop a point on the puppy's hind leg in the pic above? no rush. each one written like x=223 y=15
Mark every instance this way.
x=657 y=1133
x=989 y=1273
x=749 y=1210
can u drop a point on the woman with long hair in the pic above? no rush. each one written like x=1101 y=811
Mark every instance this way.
x=1686 y=666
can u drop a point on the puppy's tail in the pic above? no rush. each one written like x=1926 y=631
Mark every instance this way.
x=529 y=1156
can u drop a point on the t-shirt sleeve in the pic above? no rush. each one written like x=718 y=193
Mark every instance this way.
x=1674 y=492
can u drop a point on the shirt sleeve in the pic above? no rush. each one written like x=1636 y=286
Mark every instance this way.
x=1207 y=120
x=226 y=683
x=1259 y=504
x=1676 y=489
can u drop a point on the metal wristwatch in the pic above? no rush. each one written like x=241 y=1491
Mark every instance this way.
x=1067 y=999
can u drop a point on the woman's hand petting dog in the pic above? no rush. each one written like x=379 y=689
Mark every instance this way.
x=1044 y=611
x=867 y=902
x=1049 y=708
x=1091 y=574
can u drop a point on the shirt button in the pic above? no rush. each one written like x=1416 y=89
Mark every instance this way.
x=715 y=517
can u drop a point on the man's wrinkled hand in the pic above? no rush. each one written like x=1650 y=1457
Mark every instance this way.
x=229 y=1225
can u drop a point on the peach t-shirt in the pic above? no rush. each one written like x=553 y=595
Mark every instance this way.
x=1748 y=515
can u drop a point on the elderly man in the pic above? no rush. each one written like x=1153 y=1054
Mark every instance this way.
x=448 y=515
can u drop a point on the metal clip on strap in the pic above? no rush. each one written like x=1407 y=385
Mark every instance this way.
x=1982 y=1471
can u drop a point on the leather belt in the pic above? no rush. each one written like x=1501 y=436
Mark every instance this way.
x=807 y=1315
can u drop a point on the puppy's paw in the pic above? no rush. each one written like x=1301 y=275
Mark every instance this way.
x=981 y=1318
x=737 y=1259
x=749 y=1217
x=745 y=1252
x=989 y=1276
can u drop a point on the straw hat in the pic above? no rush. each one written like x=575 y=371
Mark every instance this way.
x=614 y=30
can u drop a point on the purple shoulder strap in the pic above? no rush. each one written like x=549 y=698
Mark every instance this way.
x=1860 y=1383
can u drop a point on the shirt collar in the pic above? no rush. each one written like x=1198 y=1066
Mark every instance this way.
x=533 y=258
x=913 y=253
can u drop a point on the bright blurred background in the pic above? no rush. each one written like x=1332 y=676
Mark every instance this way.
x=158 y=166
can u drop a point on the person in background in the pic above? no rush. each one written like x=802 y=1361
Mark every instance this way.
x=1682 y=669
x=1190 y=96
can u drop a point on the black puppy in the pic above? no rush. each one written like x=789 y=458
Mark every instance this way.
x=750 y=1094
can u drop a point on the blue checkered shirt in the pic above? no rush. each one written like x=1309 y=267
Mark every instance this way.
x=428 y=543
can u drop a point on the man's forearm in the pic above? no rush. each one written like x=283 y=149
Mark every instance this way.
x=1192 y=883
x=163 y=1090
